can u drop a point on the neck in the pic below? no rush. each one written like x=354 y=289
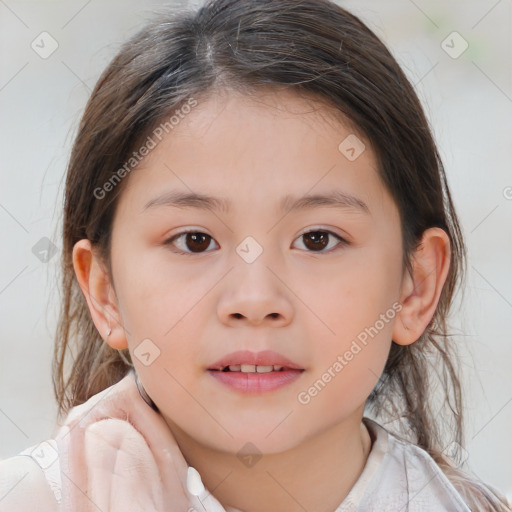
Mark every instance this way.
x=315 y=475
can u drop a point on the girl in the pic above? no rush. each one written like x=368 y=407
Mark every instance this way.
x=260 y=251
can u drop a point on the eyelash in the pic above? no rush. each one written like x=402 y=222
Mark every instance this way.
x=342 y=241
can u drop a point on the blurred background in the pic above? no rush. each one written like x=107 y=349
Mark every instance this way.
x=459 y=56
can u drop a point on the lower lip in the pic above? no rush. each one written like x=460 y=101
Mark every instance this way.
x=256 y=382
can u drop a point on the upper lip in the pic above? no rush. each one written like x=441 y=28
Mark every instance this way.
x=263 y=358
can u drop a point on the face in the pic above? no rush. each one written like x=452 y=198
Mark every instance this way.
x=318 y=284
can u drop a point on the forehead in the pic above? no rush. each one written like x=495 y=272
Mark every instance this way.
x=258 y=149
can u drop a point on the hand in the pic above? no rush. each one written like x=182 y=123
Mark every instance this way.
x=118 y=455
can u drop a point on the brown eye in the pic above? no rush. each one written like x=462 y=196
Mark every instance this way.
x=318 y=240
x=197 y=242
x=191 y=242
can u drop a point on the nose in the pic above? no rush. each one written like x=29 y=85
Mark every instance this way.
x=255 y=295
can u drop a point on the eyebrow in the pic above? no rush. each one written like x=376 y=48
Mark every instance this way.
x=334 y=199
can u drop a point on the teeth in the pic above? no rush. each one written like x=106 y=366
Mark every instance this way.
x=252 y=368
x=264 y=369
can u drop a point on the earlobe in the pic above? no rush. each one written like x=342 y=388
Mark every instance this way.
x=422 y=289
x=94 y=281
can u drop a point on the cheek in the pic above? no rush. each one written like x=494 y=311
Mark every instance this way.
x=155 y=294
x=345 y=374
x=353 y=295
x=173 y=378
x=159 y=312
x=358 y=309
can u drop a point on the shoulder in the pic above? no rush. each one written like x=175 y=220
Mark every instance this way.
x=23 y=486
x=412 y=477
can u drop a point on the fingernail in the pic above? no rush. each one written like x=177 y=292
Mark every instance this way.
x=194 y=483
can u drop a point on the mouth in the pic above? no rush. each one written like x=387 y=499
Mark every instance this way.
x=253 y=368
x=245 y=361
x=255 y=372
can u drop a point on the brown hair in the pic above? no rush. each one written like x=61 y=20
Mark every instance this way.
x=314 y=47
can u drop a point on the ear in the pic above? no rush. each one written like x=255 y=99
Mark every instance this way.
x=95 y=284
x=420 y=291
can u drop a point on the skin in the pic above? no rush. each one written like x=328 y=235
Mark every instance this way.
x=307 y=305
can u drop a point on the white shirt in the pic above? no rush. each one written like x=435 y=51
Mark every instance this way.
x=398 y=477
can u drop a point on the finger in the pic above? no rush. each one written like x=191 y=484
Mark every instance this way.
x=117 y=455
x=122 y=473
x=211 y=504
x=200 y=497
x=167 y=455
x=123 y=400
x=74 y=482
x=70 y=438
